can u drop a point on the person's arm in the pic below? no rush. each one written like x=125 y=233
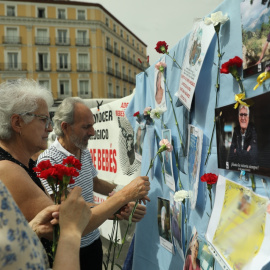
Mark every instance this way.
x=103 y=187
x=263 y=52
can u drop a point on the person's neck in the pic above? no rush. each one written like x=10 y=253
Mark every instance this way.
x=70 y=147
x=243 y=131
x=16 y=151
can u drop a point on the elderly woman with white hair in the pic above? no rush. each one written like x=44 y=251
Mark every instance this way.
x=24 y=127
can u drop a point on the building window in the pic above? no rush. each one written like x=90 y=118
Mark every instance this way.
x=42 y=64
x=12 y=61
x=42 y=37
x=11 y=11
x=45 y=83
x=114 y=28
x=127 y=38
x=107 y=22
x=125 y=91
x=118 y=94
x=110 y=91
x=82 y=37
x=64 y=88
x=121 y=33
x=130 y=91
x=63 y=61
x=137 y=46
x=41 y=13
x=133 y=42
x=61 y=14
x=81 y=14
x=84 y=88
x=12 y=36
x=142 y=49
x=83 y=62
x=62 y=37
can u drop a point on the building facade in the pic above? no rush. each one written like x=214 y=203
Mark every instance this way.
x=72 y=48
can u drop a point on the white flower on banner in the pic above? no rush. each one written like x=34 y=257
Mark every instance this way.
x=156 y=113
x=181 y=195
x=216 y=18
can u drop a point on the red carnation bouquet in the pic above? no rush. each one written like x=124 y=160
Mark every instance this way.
x=210 y=179
x=58 y=176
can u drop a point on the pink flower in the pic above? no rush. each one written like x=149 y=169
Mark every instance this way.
x=160 y=66
x=147 y=110
x=165 y=145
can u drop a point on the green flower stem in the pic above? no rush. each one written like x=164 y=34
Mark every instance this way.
x=253 y=185
x=176 y=123
x=217 y=90
x=209 y=187
x=115 y=243
x=135 y=206
x=240 y=84
x=177 y=166
x=174 y=60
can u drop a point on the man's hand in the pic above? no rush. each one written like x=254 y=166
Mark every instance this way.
x=139 y=212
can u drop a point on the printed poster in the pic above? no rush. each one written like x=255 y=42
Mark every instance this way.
x=255 y=36
x=198 y=254
x=199 y=41
x=195 y=140
x=243 y=136
x=239 y=227
x=164 y=224
x=167 y=161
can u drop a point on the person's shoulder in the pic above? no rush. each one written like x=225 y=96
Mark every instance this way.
x=50 y=153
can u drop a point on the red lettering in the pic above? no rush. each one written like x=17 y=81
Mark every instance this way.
x=99 y=159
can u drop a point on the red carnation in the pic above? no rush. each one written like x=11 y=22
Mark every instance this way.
x=71 y=161
x=43 y=165
x=136 y=113
x=209 y=178
x=231 y=65
x=140 y=60
x=162 y=47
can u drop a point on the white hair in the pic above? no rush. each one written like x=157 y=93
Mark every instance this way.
x=243 y=106
x=65 y=113
x=18 y=97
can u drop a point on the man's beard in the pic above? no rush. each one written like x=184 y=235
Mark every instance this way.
x=78 y=142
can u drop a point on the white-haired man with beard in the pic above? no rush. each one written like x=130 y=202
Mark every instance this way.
x=73 y=126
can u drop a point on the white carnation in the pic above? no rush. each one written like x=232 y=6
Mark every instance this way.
x=216 y=18
x=180 y=195
x=156 y=113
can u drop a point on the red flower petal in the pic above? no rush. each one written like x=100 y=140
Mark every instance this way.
x=136 y=113
x=162 y=47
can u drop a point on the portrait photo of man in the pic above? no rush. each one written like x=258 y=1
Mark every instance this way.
x=243 y=147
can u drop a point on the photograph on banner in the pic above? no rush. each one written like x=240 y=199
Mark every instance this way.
x=243 y=136
x=127 y=161
x=167 y=161
x=239 y=226
x=195 y=140
x=176 y=222
x=164 y=224
x=138 y=140
x=159 y=89
x=255 y=36
x=199 y=41
x=198 y=256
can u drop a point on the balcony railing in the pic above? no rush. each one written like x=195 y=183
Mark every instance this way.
x=83 y=67
x=110 y=71
x=129 y=60
x=42 y=41
x=123 y=56
x=12 y=40
x=116 y=52
x=131 y=80
x=118 y=74
x=63 y=67
x=62 y=41
x=43 y=67
x=109 y=47
x=125 y=77
x=13 y=66
x=82 y=42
